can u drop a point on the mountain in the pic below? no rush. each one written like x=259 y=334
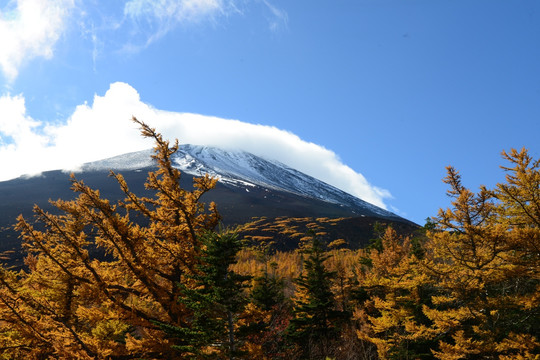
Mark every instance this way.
x=240 y=169
x=249 y=186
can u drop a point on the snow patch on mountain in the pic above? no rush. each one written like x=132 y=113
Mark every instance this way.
x=242 y=169
x=130 y=161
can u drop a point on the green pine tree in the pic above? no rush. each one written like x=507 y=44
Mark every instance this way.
x=267 y=291
x=316 y=322
x=216 y=299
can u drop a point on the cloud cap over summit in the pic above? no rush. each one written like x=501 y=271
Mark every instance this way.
x=104 y=129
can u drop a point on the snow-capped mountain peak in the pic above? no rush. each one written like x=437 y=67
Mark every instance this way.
x=242 y=169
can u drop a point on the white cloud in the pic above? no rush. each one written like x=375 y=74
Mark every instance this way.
x=104 y=129
x=29 y=29
x=18 y=138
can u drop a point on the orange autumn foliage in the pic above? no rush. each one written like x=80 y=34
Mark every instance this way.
x=467 y=288
x=71 y=305
x=474 y=293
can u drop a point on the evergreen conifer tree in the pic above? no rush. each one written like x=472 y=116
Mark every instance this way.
x=316 y=322
x=216 y=299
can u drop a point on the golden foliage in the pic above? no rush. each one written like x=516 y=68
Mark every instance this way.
x=475 y=291
x=71 y=305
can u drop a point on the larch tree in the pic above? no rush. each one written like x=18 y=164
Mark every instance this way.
x=484 y=260
x=472 y=290
x=69 y=304
x=395 y=287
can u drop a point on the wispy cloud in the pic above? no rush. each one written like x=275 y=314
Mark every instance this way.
x=167 y=10
x=279 y=18
x=29 y=29
x=104 y=129
x=158 y=17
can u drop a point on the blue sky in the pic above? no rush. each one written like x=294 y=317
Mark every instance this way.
x=373 y=96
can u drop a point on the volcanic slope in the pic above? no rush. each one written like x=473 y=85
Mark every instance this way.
x=249 y=186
